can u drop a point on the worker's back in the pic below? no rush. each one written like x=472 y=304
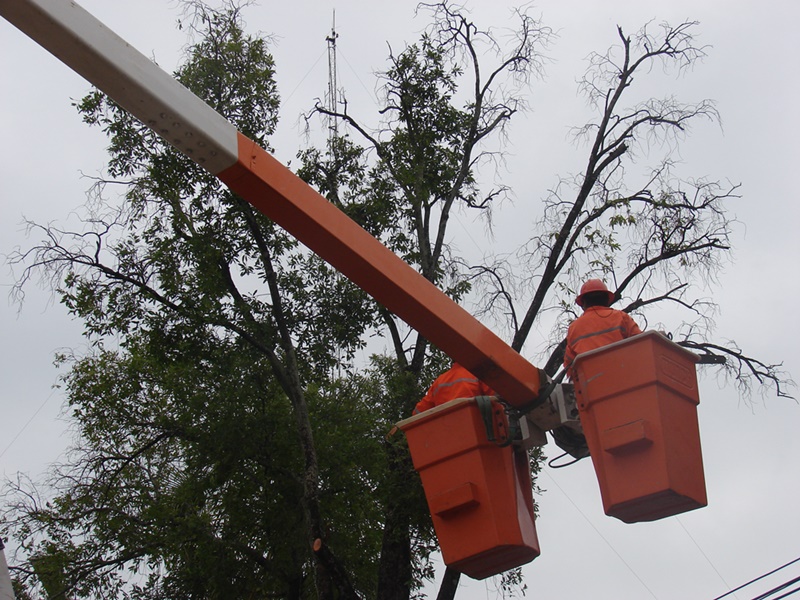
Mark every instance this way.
x=454 y=383
x=598 y=326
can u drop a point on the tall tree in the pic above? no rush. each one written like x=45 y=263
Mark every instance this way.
x=653 y=234
x=210 y=380
x=442 y=106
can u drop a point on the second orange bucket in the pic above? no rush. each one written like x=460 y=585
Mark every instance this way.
x=478 y=492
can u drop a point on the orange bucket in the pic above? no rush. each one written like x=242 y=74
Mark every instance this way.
x=638 y=406
x=478 y=492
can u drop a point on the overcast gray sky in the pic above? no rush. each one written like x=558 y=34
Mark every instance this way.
x=751 y=447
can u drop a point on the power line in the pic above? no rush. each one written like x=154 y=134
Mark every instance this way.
x=774 y=590
x=787 y=594
x=708 y=560
x=635 y=574
x=752 y=581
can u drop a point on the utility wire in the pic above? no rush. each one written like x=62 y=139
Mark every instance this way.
x=787 y=594
x=24 y=427
x=774 y=590
x=708 y=560
x=601 y=535
x=744 y=585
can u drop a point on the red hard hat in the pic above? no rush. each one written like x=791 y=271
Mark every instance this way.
x=594 y=285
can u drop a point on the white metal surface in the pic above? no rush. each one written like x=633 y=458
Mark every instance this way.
x=6 y=591
x=136 y=83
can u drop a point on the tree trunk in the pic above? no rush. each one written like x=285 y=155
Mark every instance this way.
x=394 y=572
x=449 y=587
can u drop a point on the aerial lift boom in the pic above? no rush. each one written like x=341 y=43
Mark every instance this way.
x=476 y=482
x=6 y=590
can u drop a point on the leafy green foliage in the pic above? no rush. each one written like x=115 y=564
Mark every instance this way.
x=211 y=380
x=234 y=73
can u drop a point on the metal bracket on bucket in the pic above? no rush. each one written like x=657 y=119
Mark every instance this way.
x=497 y=429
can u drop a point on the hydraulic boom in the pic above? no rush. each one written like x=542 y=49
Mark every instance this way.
x=635 y=401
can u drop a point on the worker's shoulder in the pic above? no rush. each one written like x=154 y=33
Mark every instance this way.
x=595 y=312
x=606 y=312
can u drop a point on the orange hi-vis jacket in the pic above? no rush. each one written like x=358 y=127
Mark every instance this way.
x=598 y=326
x=454 y=383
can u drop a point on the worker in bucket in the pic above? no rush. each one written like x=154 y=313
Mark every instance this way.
x=454 y=383
x=599 y=325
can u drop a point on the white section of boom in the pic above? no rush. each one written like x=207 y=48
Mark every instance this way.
x=6 y=591
x=136 y=83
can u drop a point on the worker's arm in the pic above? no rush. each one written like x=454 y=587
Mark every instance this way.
x=569 y=352
x=630 y=325
x=426 y=403
x=485 y=390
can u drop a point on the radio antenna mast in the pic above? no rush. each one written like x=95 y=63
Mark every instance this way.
x=333 y=122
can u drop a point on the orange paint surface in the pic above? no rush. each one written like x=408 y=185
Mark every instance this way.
x=283 y=197
x=478 y=492
x=638 y=405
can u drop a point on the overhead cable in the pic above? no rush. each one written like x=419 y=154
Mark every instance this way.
x=744 y=585
x=774 y=590
x=597 y=531
x=708 y=560
x=787 y=594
